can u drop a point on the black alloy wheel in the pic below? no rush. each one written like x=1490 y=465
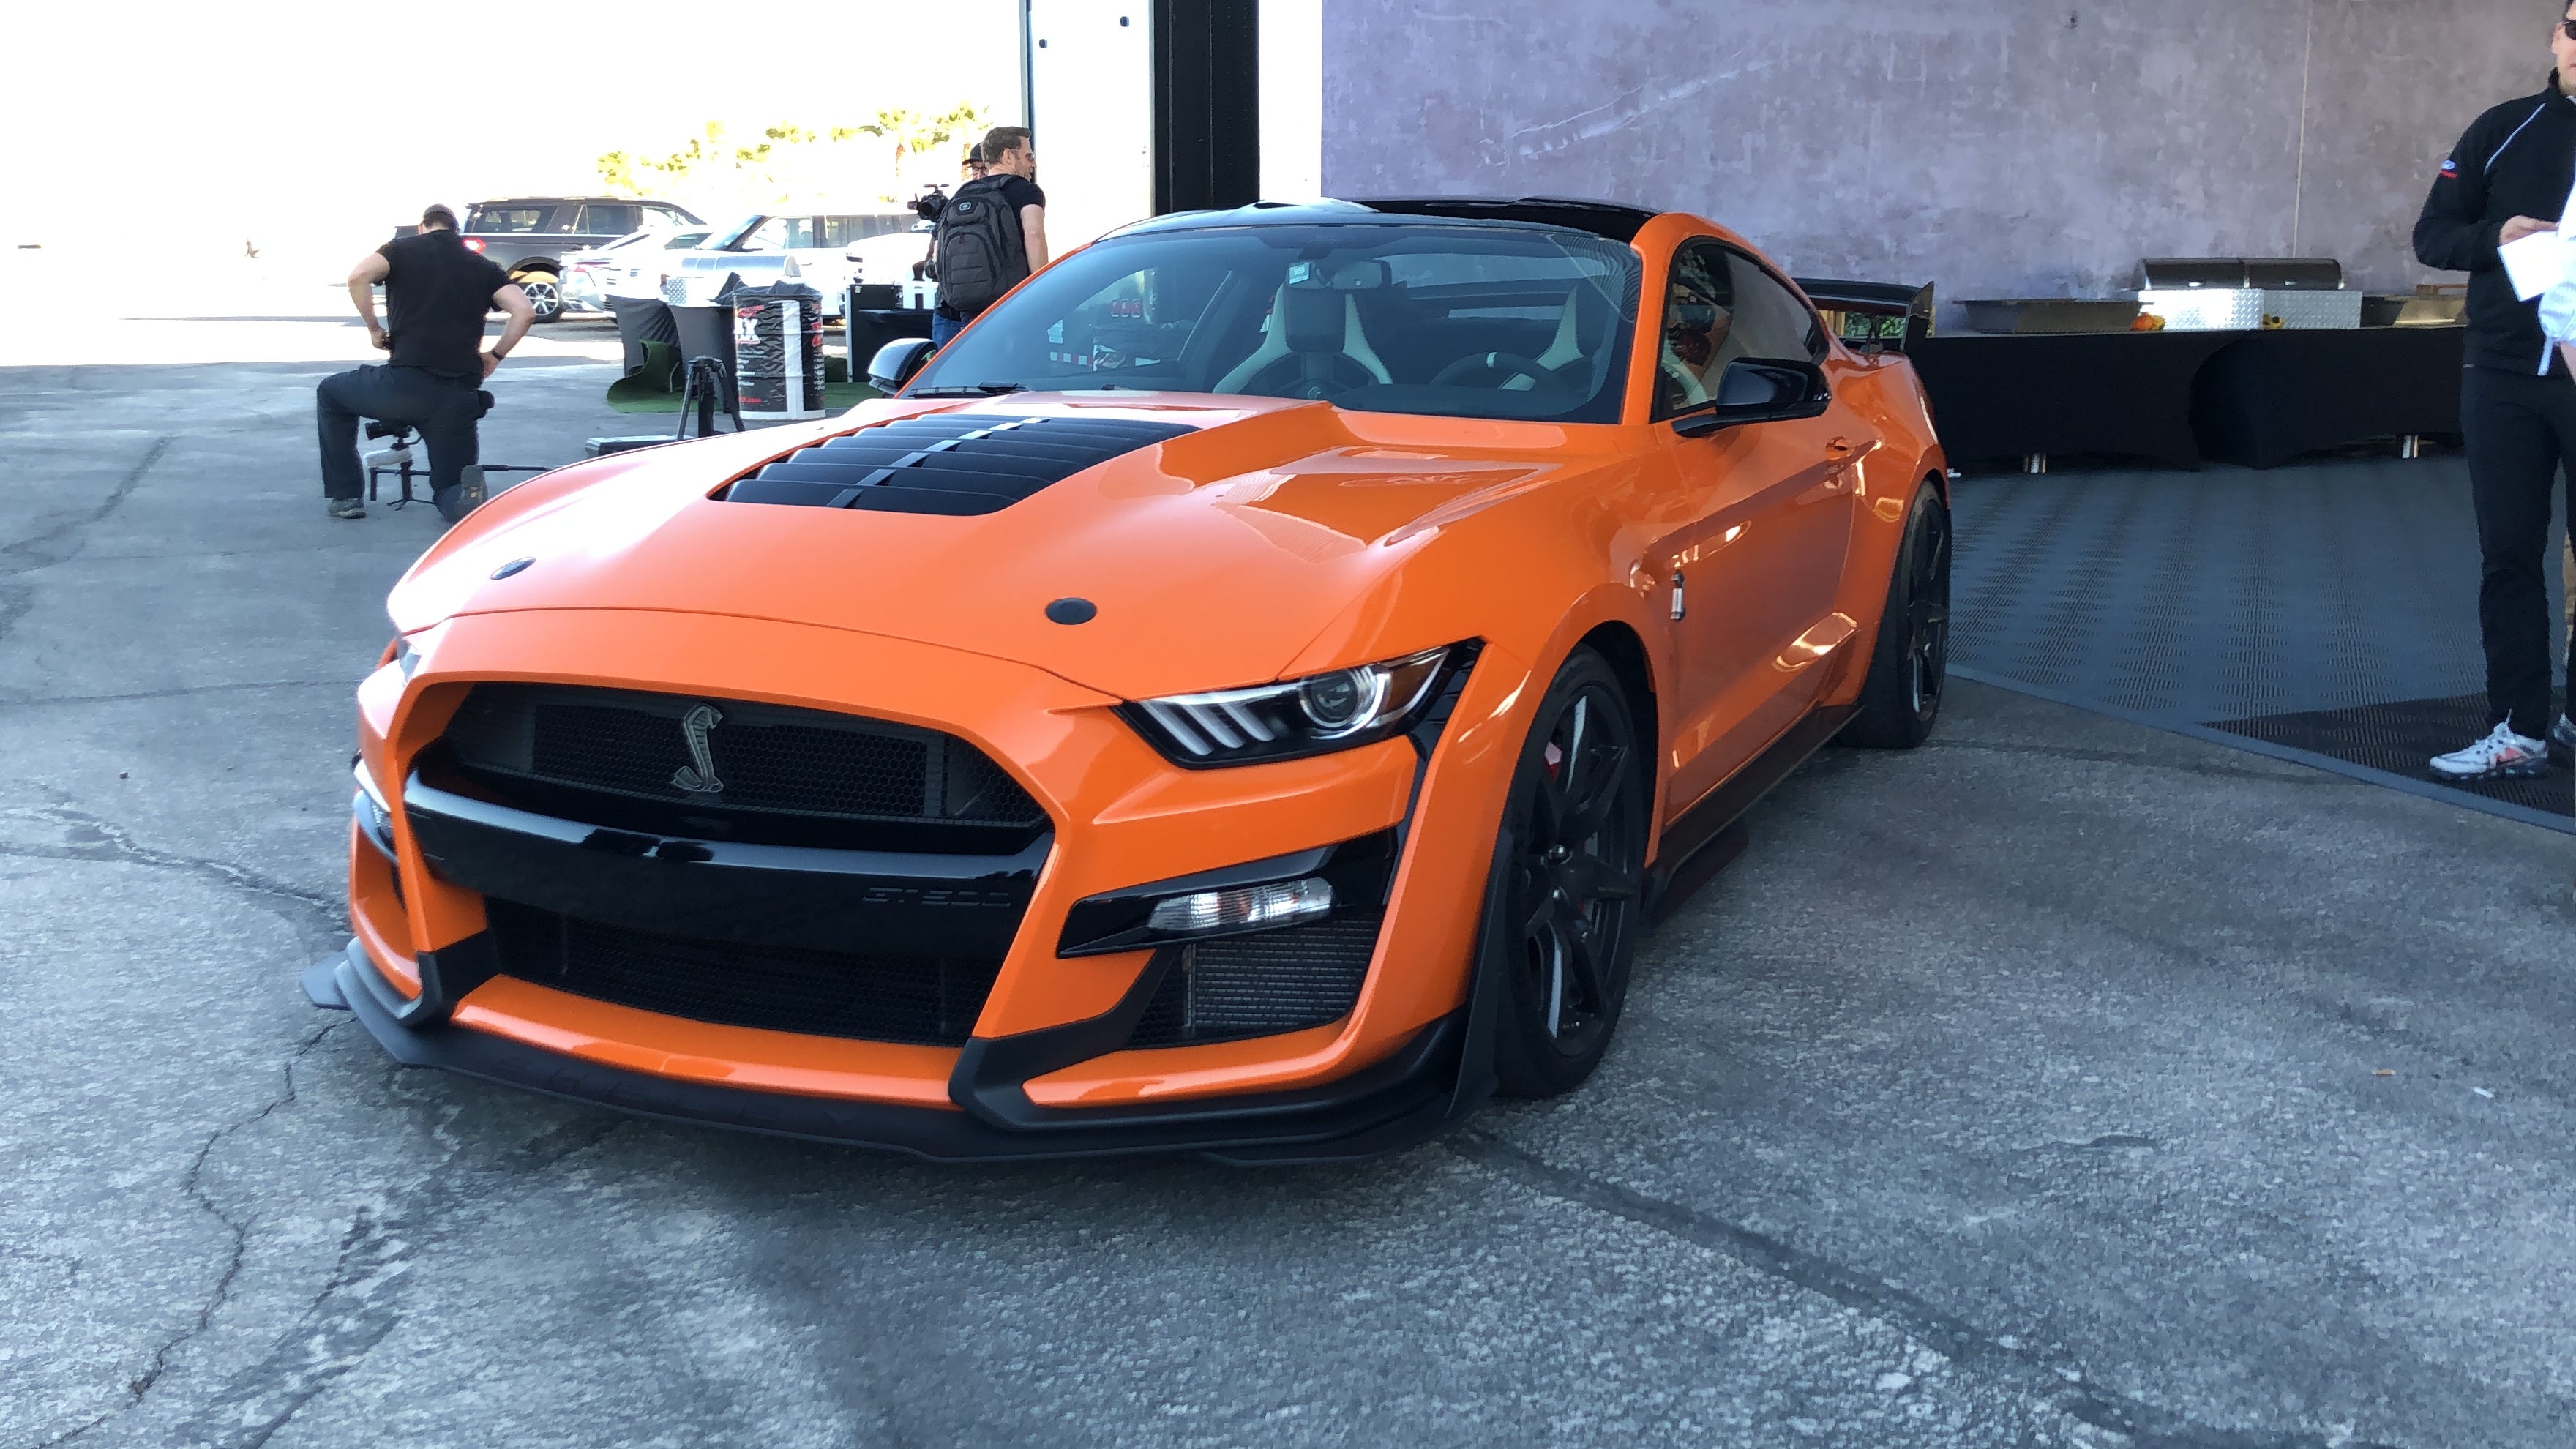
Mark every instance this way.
x=1901 y=699
x=1572 y=898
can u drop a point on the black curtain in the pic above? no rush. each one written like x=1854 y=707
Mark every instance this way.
x=1207 y=104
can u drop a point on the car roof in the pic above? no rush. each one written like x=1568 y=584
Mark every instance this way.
x=1614 y=220
x=565 y=200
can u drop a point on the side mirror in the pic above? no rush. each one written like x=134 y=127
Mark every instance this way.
x=896 y=362
x=1759 y=390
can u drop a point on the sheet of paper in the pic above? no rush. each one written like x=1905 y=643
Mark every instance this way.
x=2533 y=264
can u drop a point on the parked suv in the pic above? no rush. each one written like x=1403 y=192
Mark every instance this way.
x=532 y=237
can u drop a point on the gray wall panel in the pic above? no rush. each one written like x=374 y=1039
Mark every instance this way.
x=1998 y=147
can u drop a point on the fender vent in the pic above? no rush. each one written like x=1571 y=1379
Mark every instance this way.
x=960 y=465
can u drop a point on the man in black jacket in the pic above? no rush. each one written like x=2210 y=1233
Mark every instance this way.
x=437 y=293
x=2508 y=178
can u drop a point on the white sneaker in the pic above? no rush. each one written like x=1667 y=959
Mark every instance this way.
x=2562 y=738
x=2502 y=755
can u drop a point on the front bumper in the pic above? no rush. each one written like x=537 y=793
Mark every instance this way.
x=1057 y=1063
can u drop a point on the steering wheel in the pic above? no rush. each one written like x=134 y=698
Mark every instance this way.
x=1287 y=378
x=1508 y=365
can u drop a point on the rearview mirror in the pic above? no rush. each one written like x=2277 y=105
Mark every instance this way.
x=1759 y=390
x=896 y=362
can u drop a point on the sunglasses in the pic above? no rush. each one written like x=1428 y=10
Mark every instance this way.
x=2567 y=28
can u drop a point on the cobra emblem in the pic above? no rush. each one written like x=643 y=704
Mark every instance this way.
x=699 y=779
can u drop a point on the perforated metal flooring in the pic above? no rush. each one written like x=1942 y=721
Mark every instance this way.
x=2324 y=612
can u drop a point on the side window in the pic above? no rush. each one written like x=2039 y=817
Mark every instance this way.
x=769 y=236
x=1770 y=318
x=1698 y=327
x=1720 y=305
x=506 y=220
x=610 y=218
x=663 y=216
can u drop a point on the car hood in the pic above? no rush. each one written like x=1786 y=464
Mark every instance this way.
x=1211 y=559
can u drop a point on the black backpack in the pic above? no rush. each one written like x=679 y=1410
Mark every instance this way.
x=977 y=254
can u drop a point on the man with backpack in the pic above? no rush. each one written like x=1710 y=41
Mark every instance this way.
x=991 y=234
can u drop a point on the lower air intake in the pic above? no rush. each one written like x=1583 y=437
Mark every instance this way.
x=1260 y=985
x=853 y=995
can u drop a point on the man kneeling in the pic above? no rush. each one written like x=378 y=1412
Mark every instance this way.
x=437 y=294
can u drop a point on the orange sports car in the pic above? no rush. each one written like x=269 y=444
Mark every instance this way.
x=1248 y=693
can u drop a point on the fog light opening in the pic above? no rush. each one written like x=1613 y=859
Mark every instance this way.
x=1245 y=908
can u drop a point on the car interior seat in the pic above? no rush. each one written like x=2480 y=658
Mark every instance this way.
x=1313 y=337
x=1575 y=357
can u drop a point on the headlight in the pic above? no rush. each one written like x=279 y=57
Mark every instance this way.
x=1296 y=717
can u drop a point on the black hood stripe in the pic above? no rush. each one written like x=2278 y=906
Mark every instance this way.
x=946 y=464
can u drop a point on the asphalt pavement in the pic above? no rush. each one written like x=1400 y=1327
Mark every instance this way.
x=2062 y=1083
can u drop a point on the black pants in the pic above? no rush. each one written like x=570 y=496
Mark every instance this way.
x=444 y=411
x=2521 y=432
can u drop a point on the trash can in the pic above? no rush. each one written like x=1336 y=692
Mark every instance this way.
x=778 y=350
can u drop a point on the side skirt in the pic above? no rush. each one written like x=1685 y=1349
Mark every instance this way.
x=1710 y=835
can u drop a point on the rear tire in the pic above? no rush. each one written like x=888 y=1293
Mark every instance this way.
x=1573 y=887
x=545 y=294
x=1901 y=699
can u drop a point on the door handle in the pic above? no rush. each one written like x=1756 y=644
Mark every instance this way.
x=1840 y=449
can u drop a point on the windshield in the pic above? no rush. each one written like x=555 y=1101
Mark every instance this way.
x=1454 y=321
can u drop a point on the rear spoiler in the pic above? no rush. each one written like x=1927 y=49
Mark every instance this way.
x=1872 y=316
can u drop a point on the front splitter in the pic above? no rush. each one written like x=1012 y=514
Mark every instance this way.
x=1392 y=1104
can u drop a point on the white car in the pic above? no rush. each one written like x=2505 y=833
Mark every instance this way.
x=892 y=258
x=819 y=243
x=626 y=267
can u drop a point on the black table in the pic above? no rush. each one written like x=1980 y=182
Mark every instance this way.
x=874 y=327
x=2271 y=396
x=2029 y=396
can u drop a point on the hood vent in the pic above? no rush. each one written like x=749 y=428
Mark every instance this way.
x=946 y=463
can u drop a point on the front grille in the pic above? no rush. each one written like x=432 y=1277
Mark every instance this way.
x=780 y=775
x=848 y=994
x=1260 y=985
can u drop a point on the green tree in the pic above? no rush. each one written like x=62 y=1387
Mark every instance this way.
x=915 y=135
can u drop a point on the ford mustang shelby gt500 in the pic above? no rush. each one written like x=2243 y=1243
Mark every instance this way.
x=1248 y=693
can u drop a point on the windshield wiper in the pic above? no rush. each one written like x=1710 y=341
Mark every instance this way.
x=981 y=389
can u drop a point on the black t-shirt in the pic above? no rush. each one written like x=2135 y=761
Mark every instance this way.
x=436 y=297
x=1019 y=191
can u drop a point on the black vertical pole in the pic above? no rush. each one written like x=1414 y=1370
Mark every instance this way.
x=1207 y=104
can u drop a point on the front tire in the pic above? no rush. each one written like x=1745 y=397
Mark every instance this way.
x=545 y=295
x=1573 y=883
x=1901 y=699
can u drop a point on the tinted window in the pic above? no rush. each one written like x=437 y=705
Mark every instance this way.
x=841 y=231
x=1720 y=305
x=506 y=219
x=1460 y=321
x=771 y=234
x=610 y=218
x=689 y=238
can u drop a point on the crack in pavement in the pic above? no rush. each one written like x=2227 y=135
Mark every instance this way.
x=30 y=701
x=89 y=838
x=359 y=1305
x=61 y=541
x=2063 y=1386
x=142 y=1384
